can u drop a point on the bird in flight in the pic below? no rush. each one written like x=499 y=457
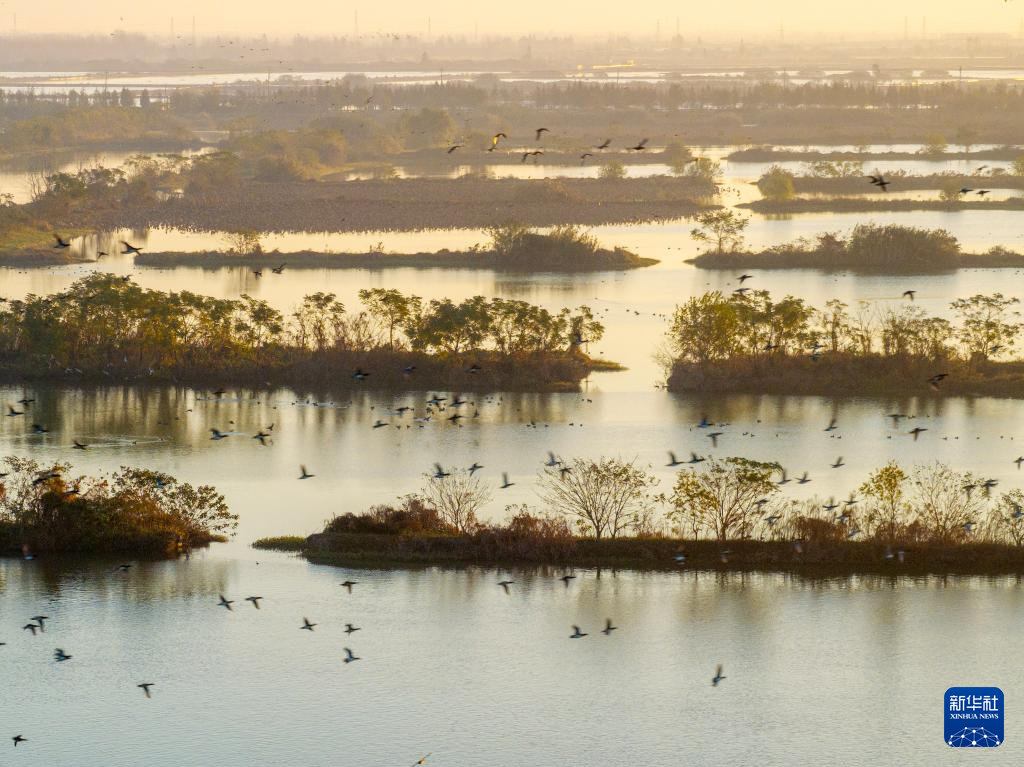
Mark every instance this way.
x=305 y=474
x=306 y=625
x=60 y=656
x=349 y=657
x=453 y=147
x=909 y=294
x=718 y=677
x=608 y=627
x=349 y=584
x=255 y=601
x=540 y=132
x=349 y=628
x=672 y=460
x=19 y=739
x=145 y=688
x=505 y=585
x=494 y=141
x=79 y=445
x=226 y=602
x=61 y=243
x=129 y=248
x=505 y=484
x=640 y=146
x=605 y=144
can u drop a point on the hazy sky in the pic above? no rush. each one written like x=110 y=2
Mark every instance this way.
x=751 y=18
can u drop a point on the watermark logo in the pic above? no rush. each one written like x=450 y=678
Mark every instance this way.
x=974 y=717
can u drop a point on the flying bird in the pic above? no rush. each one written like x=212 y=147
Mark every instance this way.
x=145 y=688
x=718 y=677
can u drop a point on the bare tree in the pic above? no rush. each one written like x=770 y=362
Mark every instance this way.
x=606 y=497
x=723 y=499
x=457 y=497
x=947 y=500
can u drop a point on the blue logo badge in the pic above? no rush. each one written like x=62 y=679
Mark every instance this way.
x=974 y=717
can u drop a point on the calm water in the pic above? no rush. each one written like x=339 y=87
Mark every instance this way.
x=453 y=666
x=845 y=670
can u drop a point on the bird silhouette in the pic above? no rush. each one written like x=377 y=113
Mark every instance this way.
x=349 y=628
x=576 y=633
x=226 y=602
x=145 y=688
x=608 y=627
x=19 y=739
x=505 y=585
x=718 y=677
x=255 y=601
x=129 y=248
x=305 y=474
x=349 y=657
x=306 y=625
x=505 y=484
x=349 y=584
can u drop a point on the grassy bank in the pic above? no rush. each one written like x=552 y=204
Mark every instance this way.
x=816 y=557
x=844 y=374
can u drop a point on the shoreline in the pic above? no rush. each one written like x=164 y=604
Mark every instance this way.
x=603 y=260
x=542 y=374
x=844 y=375
x=827 y=558
x=774 y=260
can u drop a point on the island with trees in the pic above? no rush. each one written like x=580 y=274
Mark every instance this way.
x=108 y=329
x=869 y=248
x=748 y=342
x=46 y=510
x=512 y=248
x=720 y=514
